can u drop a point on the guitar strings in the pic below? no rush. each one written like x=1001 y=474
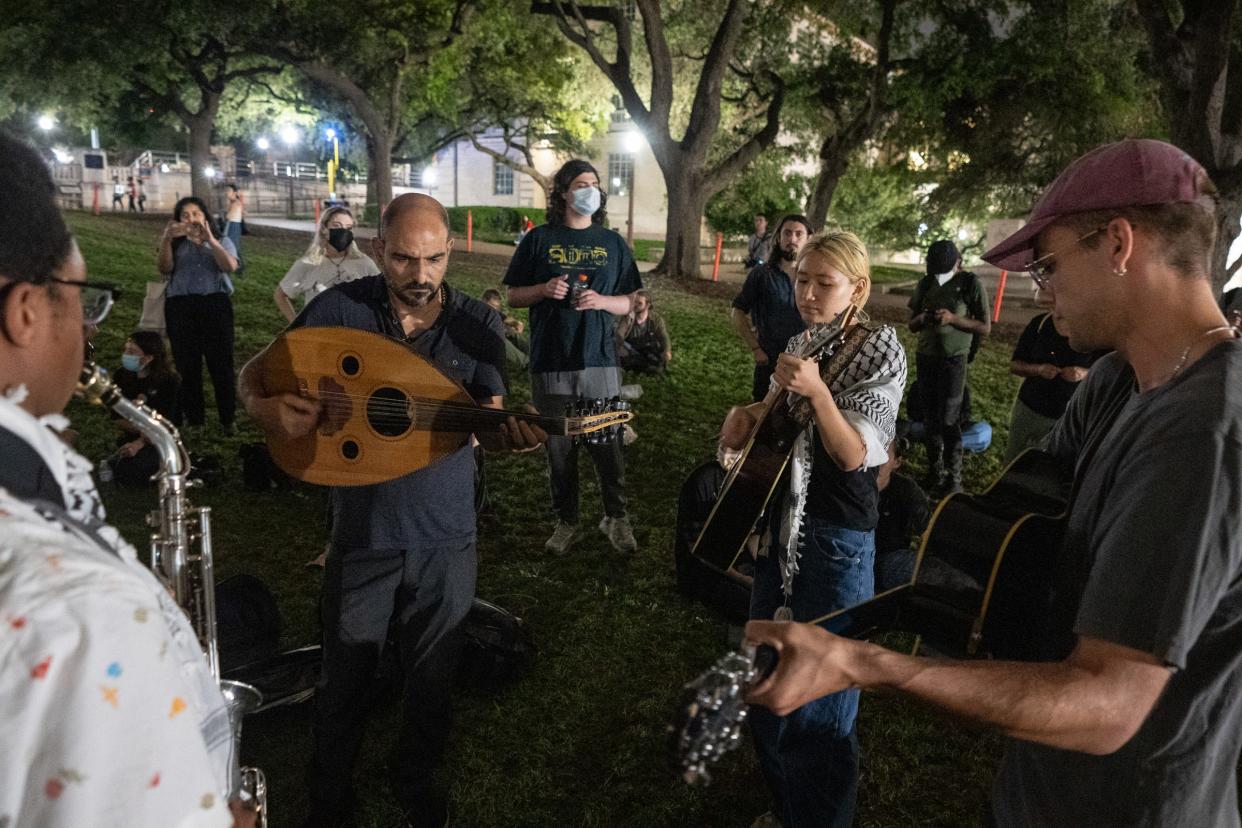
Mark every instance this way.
x=447 y=414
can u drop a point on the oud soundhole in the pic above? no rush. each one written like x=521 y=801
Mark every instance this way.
x=350 y=449
x=350 y=366
x=388 y=412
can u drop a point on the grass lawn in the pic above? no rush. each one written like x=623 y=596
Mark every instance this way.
x=580 y=740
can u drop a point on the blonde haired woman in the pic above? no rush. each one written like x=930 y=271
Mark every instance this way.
x=818 y=550
x=332 y=258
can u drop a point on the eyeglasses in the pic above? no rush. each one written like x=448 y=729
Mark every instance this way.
x=1041 y=269
x=97 y=297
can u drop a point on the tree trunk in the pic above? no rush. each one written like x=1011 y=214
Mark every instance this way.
x=380 y=147
x=370 y=210
x=200 y=128
x=1228 y=213
x=831 y=169
x=686 y=205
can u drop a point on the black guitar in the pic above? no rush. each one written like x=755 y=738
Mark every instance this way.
x=754 y=476
x=981 y=588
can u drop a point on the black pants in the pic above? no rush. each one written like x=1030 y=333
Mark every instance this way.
x=424 y=594
x=648 y=362
x=563 y=467
x=763 y=377
x=942 y=383
x=200 y=328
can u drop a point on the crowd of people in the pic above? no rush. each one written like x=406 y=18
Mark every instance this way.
x=1128 y=390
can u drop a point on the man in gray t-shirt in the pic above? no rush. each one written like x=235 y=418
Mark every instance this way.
x=1136 y=718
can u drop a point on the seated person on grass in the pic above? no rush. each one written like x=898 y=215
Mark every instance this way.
x=517 y=346
x=642 y=338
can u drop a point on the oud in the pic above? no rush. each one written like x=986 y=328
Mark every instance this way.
x=387 y=411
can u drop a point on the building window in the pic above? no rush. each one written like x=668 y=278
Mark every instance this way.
x=620 y=173
x=620 y=114
x=502 y=179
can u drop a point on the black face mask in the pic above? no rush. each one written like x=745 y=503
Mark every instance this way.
x=340 y=238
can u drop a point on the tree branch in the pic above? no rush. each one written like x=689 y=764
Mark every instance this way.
x=716 y=178
x=705 y=109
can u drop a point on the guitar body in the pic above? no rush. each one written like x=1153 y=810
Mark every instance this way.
x=984 y=577
x=365 y=381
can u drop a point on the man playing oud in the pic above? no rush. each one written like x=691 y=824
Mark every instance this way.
x=1135 y=718
x=402 y=552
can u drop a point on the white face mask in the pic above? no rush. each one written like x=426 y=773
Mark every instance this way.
x=586 y=201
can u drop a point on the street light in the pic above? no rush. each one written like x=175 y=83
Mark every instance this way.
x=289 y=135
x=209 y=171
x=46 y=123
x=263 y=144
x=429 y=177
x=335 y=164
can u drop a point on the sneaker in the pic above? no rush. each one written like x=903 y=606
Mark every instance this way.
x=562 y=538
x=628 y=434
x=619 y=533
x=631 y=392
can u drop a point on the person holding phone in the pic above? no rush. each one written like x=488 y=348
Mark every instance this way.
x=198 y=310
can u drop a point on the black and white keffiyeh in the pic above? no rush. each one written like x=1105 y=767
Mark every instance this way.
x=868 y=394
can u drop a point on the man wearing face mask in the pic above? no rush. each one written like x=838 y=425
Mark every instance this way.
x=402 y=552
x=764 y=314
x=575 y=275
x=331 y=259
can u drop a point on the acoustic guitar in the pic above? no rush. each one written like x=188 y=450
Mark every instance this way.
x=387 y=411
x=982 y=587
x=753 y=477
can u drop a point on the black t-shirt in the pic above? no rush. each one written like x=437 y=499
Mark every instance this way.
x=904 y=511
x=160 y=394
x=435 y=503
x=561 y=337
x=847 y=499
x=1039 y=344
x=767 y=298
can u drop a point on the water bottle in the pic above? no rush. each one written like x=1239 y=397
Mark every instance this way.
x=575 y=292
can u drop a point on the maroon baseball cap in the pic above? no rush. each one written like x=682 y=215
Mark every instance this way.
x=1132 y=173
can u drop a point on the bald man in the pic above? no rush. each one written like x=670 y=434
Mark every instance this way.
x=402 y=553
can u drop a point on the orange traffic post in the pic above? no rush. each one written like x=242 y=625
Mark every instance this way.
x=1000 y=294
x=469 y=231
x=316 y=212
x=716 y=266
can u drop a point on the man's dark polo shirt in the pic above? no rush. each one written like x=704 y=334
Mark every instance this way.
x=767 y=298
x=436 y=503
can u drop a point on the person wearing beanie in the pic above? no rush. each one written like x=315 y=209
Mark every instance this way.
x=948 y=310
x=1131 y=715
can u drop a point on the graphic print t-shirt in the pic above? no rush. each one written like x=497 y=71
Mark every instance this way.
x=562 y=337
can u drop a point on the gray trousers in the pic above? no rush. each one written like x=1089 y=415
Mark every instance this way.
x=551 y=393
x=422 y=594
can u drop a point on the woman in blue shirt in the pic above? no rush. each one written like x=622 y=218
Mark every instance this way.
x=198 y=312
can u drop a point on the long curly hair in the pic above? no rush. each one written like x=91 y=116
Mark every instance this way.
x=560 y=186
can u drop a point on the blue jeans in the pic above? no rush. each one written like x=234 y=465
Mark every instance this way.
x=233 y=232
x=810 y=757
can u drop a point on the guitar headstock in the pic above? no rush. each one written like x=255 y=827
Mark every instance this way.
x=709 y=722
x=597 y=421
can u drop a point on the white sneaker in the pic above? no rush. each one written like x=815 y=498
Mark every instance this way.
x=562 y=538
x=619 y=533
x=628 y=434
x=631 y=392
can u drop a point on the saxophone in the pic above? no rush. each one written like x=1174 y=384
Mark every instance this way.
x=181 y=558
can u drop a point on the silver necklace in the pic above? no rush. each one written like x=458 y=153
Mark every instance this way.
x=1181 y=363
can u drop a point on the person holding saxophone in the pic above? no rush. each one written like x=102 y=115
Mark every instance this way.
x=111 y=715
